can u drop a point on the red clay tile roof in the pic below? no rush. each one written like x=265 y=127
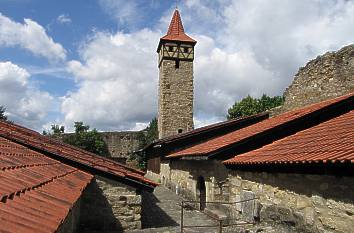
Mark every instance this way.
x=189 y=138
x=36 y=192
x=176 y=31
x=328 y=142
x=215 y=144
x=212 y=127
x=74 y=155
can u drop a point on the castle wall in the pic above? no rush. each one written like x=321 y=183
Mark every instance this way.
x=181 y=176
x=308 y=203
x=325 y=77
x=301 y=202
x=121 y=144
x=108 y=206
x=175 y=98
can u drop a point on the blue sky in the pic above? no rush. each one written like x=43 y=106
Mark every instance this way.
x=95 y=60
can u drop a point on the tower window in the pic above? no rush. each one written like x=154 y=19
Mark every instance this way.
x=180 y=130
x=170 y=48
x=176 y=64
x=185 y=50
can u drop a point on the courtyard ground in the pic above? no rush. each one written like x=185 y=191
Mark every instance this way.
x=164 y=214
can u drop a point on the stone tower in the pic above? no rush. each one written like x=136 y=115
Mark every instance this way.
x=176 y=55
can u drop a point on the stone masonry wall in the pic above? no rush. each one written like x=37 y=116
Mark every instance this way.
x=175 y=98
x=325 y=77
x=181 y=176
x=120 y=144
x=308 y=203
x=110 y=206
x=72 y=220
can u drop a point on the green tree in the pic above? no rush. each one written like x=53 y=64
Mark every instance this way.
x=2 y=113
x=87 y=139
x=249 y=106
x=149 y=134
x=55 y=130
x=145 y=137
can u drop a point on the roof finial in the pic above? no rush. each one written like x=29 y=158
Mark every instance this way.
x=176 y=4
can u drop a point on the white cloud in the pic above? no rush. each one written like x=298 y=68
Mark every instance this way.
x=244 y=47
x=255 y=47
x=117 y=81
x=24 y=103
x=125 y=12
x=30 y=36
x=64 y=19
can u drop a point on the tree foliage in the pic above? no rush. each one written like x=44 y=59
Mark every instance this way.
x=249 y=106
x=145 y=137
x=149 y=134
x=87 y=139
x=82 y=138
x=55 y=130
x=2 y=113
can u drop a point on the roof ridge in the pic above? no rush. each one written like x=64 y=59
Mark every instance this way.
x=28 y=165
x=213 y=145
x=269 y=153
x=74 y=156
x=11 y=196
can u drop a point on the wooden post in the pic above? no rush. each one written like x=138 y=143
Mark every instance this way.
x=220 y=226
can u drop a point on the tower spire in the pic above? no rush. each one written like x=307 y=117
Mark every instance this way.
x=176 y=31
x=176 y=56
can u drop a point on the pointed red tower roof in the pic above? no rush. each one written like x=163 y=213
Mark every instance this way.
x=176 y=30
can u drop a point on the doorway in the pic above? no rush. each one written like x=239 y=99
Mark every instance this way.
x=202 y=192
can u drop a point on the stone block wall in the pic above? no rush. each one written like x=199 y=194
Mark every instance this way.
x=107 y=205
x=181 y=176
x=121 y=144
x=328 y=76
x=72 y=220
x=308 y=203
x=175 y=113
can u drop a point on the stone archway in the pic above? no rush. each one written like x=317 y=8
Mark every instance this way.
x=201 y=190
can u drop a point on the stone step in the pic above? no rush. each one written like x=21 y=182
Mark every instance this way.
x=216 y=214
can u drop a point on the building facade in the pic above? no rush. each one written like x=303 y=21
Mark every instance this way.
x=49 y=186
x=176 y=55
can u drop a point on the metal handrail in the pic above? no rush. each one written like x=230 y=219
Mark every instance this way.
x=220 y=202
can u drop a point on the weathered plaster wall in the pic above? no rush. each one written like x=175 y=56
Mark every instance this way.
x=309 y=203
x=175 y=98
x=325 y=77
x=110 y=206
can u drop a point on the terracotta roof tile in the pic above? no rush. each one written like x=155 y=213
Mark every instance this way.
x=213 y=127
x=218 y=143
x=33 y=139
x=36 y=192
x=176 y=31
x=331 y=141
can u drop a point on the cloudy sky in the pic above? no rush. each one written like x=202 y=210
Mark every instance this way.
x=95 y=61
